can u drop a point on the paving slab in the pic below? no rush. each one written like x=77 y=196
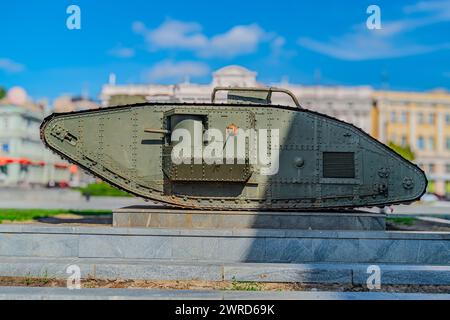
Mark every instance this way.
x=228 y=246
x=37 y=293
x=435 y=220
x=168 y=217
x=150 y=269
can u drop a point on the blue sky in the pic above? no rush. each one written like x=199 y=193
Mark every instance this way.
x=167 y=41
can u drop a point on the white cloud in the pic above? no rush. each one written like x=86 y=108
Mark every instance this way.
x=122 y=52
x=138 y=27
x=439 y=8
x=388 y=42
x=278 y=49
x=238 y=40
x=173 y=34
x=278 y=43
x=11 y=66
x=179 y=35
x=366 y=45
x=176 y=71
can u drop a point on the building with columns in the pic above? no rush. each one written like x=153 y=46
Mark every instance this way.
x=421 y=121
x=113 y=94
x=351 y=104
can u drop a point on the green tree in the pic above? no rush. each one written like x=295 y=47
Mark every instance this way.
x=405 y=151
x=2 y=92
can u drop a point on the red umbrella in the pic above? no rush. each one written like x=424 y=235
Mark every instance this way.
x=38 y=163
x=5 y=160
x=24 y=161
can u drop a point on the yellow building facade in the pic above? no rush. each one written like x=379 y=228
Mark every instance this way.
x=421 y=121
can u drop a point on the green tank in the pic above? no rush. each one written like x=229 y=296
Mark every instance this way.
x=244 y=153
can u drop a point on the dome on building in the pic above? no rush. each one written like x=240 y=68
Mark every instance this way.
x=234 y=76
x=17 y=96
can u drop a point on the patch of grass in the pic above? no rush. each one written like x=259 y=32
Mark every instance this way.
x=45 y=278
x=28 y=280
x=407 y=221
x=102 y=189
x=245 y=286
x=31 y=214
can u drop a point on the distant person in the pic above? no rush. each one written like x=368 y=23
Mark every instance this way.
x=87 y=195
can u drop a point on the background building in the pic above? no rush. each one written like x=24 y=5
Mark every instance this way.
x=113 y=94
x=24 y=160
x=351 y=104
x=69 y=103
x=421 y=121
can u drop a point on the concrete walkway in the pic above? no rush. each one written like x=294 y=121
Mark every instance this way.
x=40 y=293
x=145 y=269
x=39 y=198
x=435 y=220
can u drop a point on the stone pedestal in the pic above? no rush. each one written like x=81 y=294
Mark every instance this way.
x=166 y=217
x=303 y=256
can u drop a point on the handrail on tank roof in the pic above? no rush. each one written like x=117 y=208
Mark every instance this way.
x=255 y=89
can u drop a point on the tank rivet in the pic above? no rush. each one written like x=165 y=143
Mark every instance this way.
x=408 y=183
x=299 y=162
x=383 y=172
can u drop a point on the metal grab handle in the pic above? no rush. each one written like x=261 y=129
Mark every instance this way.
x=268 y=90
x=161 y=131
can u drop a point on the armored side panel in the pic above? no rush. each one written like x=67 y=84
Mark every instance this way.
x=322 y=162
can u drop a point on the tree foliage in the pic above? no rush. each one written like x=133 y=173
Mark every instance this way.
x=2 y=92
x=405 y=151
